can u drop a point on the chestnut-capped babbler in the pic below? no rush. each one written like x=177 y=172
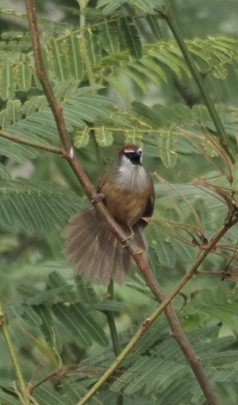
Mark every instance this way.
x=128 y=193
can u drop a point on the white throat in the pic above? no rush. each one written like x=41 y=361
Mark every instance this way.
x=131 y=177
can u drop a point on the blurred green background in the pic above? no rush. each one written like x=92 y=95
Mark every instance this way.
x=120 y=77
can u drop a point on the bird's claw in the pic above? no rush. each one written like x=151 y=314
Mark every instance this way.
x=127 y=241
x=99 y=197
x=139 y=251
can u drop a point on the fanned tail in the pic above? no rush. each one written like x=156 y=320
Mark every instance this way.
x=95 y=252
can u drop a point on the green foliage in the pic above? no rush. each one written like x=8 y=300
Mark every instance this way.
x=163 y=369
x=35 y=208
x=120 y=77
x=33 y=120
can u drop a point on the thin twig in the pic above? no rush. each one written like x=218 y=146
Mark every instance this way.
x=177 y=332
x=36 y=145
x=114 y=335
x=58 y=373
x=146 y=324
x=111 y=322
x=22 y=389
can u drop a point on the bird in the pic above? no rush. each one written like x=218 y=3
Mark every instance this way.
x=127 y=191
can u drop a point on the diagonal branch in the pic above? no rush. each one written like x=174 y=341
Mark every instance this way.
x=141 y=260
x=42 y=75
x=177 y=332
x=68 y=151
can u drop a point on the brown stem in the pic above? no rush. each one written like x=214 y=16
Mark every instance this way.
x=59 y=373
x=42 y=75
x=177 y=331
x=141 y=260
x=23 y=141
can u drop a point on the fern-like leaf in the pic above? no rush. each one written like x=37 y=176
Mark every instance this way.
x=36 y=208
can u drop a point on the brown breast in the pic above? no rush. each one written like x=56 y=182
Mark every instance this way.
x=125 y=206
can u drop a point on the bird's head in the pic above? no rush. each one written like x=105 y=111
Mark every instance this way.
x=131 y=154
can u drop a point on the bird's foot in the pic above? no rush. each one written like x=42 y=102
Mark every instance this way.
x=127 y=241
x=99 y=197
x=139 y=251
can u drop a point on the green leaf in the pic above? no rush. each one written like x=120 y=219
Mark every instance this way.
x=218 y=304
x=154 y=26
x=165 y=254
x=8 y=398
x=4 y=173
x=131 y=36
x=110 y=6
x=147 y=113
x=119 y=82
x=109 y=305
x=56 y=55
x=79 y=324
x=168 y=148
x=35 y=207
x=92 y=48
x=6 y=82
x=109 y=37
x=145 y=72
x=11 y=114
x=74 y=58
x=16 y=152
x=34 y=120
x=47 y=393
x=46 y=323
x=24 y=76
x=103 y=137
x=81 y=138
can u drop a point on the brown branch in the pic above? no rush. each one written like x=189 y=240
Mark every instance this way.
x=176 y=329
x=36 y=145
x=141 y=260
x=42 y=75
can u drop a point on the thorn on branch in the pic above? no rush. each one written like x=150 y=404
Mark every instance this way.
x=71 y=153
x=146 y=323
x=1 y=319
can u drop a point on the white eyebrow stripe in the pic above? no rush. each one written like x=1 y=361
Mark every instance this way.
x=132 y=150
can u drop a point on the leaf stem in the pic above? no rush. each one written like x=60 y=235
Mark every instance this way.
x=83 y=45
x=113 y=333
x=168 y=15
x=111 y=321
x=23 y=393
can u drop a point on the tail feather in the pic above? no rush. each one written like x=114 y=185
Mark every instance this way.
x=107 y=258
x=82 y=227
x=95 y=252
